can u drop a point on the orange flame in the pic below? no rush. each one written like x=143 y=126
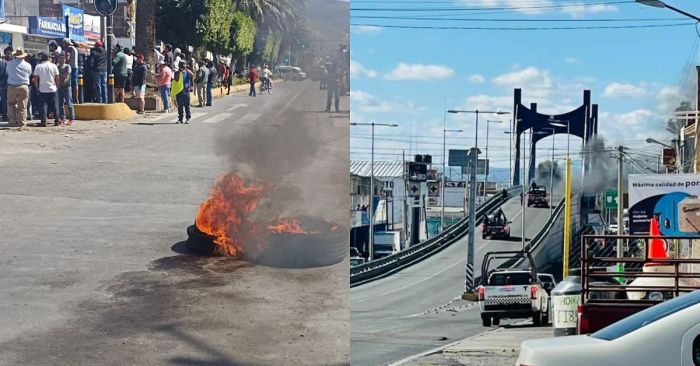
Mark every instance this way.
x=291 y=226
x=225 y=214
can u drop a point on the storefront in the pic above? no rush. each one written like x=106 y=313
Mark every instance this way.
x=12 y=35
x=41 y=30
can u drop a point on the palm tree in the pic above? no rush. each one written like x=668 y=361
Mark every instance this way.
x=273 y=14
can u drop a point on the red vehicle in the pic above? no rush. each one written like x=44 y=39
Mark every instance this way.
x=640 y=283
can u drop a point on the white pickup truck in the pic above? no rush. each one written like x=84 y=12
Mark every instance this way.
x=513 y=293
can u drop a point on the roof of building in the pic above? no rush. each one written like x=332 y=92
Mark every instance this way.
x=381 y=168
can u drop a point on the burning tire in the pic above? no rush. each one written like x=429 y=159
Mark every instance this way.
x=325 y=244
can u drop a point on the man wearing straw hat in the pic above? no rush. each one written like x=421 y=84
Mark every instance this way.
x=18 y=73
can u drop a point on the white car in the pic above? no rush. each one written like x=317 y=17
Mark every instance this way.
x=664 y=334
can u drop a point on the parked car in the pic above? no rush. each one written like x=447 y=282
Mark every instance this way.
x=291 y=73
x=664 y=334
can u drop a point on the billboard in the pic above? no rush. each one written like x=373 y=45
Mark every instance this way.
x=673 y=197
x=92 y=26
x=75 y=22
x=49 y=27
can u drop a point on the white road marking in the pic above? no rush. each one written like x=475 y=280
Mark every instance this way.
x=236 y=106
x=217 y=117
x=248 y=118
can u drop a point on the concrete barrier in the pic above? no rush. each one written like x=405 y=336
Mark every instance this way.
x=100 y=111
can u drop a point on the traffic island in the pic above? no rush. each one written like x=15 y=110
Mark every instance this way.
x=100 y=111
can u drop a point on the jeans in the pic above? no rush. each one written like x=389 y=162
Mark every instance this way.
x=47 y=104
x=183 y=103
x=3 y=104
x=65 y=99
x=165 y=95
x=100 y=83
x=332 y=93
x=210 y=86
x=252 y=89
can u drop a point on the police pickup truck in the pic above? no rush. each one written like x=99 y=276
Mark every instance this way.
x=495 y=226
x=511 y=293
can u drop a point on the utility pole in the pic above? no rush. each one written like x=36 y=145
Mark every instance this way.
x=620 y=224
x=469 y=282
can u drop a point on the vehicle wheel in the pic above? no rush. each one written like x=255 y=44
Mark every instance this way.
x=545 y=318
x=496 y=320
x=486 y=321
x=537 y=319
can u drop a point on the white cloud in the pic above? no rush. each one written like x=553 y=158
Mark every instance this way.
x=520 y=6
x=572 y=60
x=489 y=103
x=538 y=83
x=614 y=90
x=636 y=118
x=357 y=70
x=579 y=10
x=365 y=102
x=404 y=71
x=476 y=79
x=669 y=98
x=365 y=29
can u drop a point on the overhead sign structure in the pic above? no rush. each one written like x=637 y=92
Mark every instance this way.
x=611 y=200
x=433 y=189
x=414 y=189
x=417 y=172
x=105 y=7
x=458 y=158
x=673 y=197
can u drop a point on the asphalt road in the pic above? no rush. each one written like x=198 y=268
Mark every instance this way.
x=419 y=308
x=93 y=217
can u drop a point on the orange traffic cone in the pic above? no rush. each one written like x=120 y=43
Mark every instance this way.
x=657 y=247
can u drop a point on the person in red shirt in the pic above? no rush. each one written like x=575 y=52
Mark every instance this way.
x=252 y=79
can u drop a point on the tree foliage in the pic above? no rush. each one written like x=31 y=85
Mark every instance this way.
x=242 y=31
x=214 y=25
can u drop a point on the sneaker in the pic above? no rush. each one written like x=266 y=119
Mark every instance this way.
x=187 y=121
x=61 y=121
x=57 y=123
x=139 y=112
x=179 y=121
x=70 y=122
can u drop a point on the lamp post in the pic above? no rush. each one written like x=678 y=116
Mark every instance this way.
x=655 y=141
x=661 y=4
x=469 y=282
x=442 y=188
x=370 y=210
x=486 y=176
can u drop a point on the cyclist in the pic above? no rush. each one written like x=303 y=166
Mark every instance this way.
x=266 y=79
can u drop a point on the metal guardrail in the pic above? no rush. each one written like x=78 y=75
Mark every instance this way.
x=535 y=241
x=379 y=268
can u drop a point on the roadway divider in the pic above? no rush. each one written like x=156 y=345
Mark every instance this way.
x=534 y=244
x=383 y=267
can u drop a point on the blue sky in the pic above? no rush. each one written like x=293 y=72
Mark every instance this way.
x=408 y=76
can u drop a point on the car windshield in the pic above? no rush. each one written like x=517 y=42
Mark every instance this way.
x=647 y=316
x=502 y=279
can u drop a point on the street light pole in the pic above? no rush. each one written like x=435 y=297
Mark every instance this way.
x=370 y=210
x=661 y=4
x=486 y=166
x=469 y=282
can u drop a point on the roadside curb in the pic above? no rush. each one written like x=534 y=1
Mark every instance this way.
x=438 y=349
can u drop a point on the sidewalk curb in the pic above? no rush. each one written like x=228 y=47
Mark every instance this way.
x=438 y=349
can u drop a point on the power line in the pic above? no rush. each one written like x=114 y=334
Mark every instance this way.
x=524 y=7
x=516 y=19
x=522 y=28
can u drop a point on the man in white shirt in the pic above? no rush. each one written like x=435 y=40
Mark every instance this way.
x=129 y=54
x=45 y=79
